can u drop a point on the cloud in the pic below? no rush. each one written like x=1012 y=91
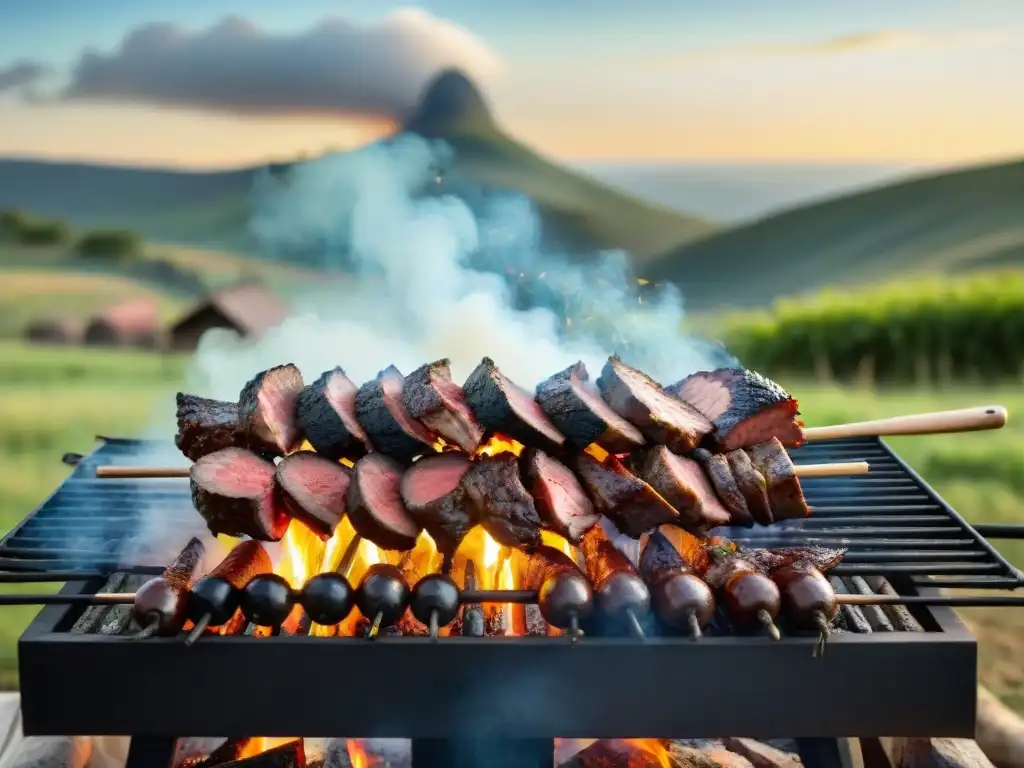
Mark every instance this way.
x=333 y=68
x=22 y=75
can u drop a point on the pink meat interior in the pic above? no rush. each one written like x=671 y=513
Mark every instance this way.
x=708 y=395
x=434 y=477
x=663 y=406
x=452 y=396
x=235 y=473
x=341 y=394
x=278 y=398
x=380 y=480
x=588 y=393
x=564 y=493
x=392 y=382
x=692 y=474
x=324 y=480
x=529 y=410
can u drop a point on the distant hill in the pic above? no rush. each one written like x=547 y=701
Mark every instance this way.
x=211 y=209
x=963 y=220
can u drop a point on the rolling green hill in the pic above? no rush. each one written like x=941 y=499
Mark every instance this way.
x=210 y=210
x=957 y=221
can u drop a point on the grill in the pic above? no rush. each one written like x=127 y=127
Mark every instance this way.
x=877 y=678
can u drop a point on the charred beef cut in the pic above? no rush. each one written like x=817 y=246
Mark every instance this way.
x=206 y=426
x=327 y=414
x=501 y=503
x=630 y=503
x=823 y=559
x=313 y=489
x=234 y=490
x=752 y=485
x=502 y=406
x=682 y=483
x=432 y=398
x=575 y=406
x=784 y=492
x=563 y=505
x=717 y=468
x=660 y=415
x=745 y=407
x=374 y=504
x=380 y=408
x=433 y=494
x=267 y=408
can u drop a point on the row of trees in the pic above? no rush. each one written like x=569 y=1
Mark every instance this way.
x=33 y=231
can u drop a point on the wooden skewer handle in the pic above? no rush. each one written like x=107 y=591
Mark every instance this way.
x=938 y=422
x=839 y=469
x=136 y=472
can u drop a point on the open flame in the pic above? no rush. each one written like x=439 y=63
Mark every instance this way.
x=653 y=748
x=261 y=744
x=357 y=754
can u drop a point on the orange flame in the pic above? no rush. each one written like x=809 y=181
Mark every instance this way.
x=654 y=749
x=357 y=755
x=261 y=744
x=499 y=444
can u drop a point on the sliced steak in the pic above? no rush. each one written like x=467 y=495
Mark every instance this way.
x=823 y=559
x=784 y=492
x=563 y=505
x=502 y=406
x=434 y=399
x=234 y=490
x=630 y=503
x=661 y=416
x=313 y=489
x=501 y=502
x=380 y=408
x=752 y=485
x=267 y=408
x=683 y=484
x=433 y=495
x=205 y=426
x=374 y=504
x=717 y=468
x=575 y=406
x=327 y=414
x=745 y=407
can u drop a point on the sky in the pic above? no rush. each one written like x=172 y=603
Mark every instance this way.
x=216 y=83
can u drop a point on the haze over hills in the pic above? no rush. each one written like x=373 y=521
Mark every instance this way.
x=961 y=220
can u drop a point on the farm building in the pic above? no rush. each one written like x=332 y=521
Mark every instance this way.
x=249 y=309
x=54 y=330
x=132 y=324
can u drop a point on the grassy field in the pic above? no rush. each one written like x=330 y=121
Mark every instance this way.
x=56 y=401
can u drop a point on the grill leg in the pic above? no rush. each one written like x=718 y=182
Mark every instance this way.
x=150 y=753
x=483 y=753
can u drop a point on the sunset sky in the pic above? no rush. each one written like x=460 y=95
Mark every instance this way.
x=217 y=83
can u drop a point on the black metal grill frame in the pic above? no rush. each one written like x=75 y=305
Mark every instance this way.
x=882 y=684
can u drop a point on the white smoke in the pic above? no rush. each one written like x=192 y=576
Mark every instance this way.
x=425 y=286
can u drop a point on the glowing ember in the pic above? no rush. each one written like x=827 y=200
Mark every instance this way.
x=357 y=754
x=499 y=444
x=260 y=744
x=653 y=748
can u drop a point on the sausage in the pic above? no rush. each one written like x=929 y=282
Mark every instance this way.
x=249 y=558
x=214 y=599
x=619 y=592
x=564 y=594
x=750 y=598
x=160 y=604
x=681 y=598
x=808 y=599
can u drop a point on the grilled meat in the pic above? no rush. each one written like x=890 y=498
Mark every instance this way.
x=503 y=406
x=267 y=408
x=659 y=415
x=501 y=503
x=681 y=598
x=380 y=408
x=717 y=468
x=313 y=489
x=432 y=398
x=770 y=560
x=750 y=597
x=234 y=490
x=575 y=406
x=630 y=503
x=784 y=492
x=326 y=412
x=436 y=499
x=375 y=506
x=205 y=426
x=164 y=600
x=752 y=485
x=682 y=483
x=563 y=505
x=745 y=407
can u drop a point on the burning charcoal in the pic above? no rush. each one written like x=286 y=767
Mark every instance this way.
x=752 y=485
x=683 y=484
x=626 y=753
x=414 y=565
x=661 y=416
x=267 y=407
x=435 y=498
x=630 y=503
x=326 y=413
x=290 y=755
x=503 y=406
x=206 y=426
x=313 y=489
x=91 y=617
x=762 y=755
x=784 y=492
x=575 y=407
x=875 y=616
x=563 y=505
x=471 y=622
x=535 y=624
x=502 y=504
x=380 y=408
x=711 y=757
x=375 y=506
x=745 y=407
x=901 y=616
x=234 y=490
x=853 y=618
x=716 y=466
x=433 y=398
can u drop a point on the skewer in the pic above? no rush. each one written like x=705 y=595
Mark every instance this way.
x=934 y=423
x=434 y=628
x=824 y=631
x=375 y=627
x=634 y=625
x=694 y=621
x=349 y=555
x=766 y=621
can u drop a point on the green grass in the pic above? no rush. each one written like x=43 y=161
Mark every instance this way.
x=56 y=401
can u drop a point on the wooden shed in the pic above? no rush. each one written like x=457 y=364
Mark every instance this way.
x=249 y=309
x=131 y=324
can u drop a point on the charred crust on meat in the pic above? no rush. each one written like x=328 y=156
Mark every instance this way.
x=233 y=489
x=490 y=395
x=716 y=467
x=433 y=398
x=752 y=485
x=376 y=409
x=682 y=482
x=326 y=414
x=375 y=507
x=447 y=516
x=267 y=408
x=784 y=492
x=206 y=426
x=561 y=501
x=501 y=502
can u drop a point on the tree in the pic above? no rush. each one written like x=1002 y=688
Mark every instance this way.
x=115 y=244
x=23 y=229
